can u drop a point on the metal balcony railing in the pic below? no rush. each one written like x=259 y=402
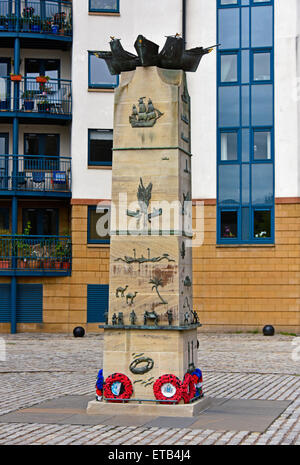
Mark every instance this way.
x=53 y=97
x=35 y=173
x=35 y=253
x=53 y=17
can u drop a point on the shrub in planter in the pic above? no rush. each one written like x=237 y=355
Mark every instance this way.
x=55 y=28
x=28 y=100
x=3 y=105
x=3 y=23
x=44 y=106
x=36 y=24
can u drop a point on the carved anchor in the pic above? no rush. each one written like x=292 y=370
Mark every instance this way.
x=121 y=291
x=130 y=298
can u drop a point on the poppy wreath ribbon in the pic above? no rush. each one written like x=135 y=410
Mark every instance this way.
x=188 y=387
x=99 y=383
x=124 y=392
x=198 y=380
x=170 y=380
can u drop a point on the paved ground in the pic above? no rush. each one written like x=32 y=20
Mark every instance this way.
x=238 y=370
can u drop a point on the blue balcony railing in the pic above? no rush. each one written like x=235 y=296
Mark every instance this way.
x=39 y=254
x=52 y=98
x=51 y=17
x=39 y=174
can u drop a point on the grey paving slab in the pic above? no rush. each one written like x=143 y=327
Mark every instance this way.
x=171 y=422
x=75 y=402
x=124 y=420
x=241 y=415
x=253 y=407
x=85 y=420
x=40 y=418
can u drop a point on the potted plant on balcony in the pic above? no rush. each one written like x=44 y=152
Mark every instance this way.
x=3 y=104
x=15 y=77
x=35 y=24
x=44 y=106
x=54 y=28
x=3 y=23
x=5 y=250
x=28 y=98
x=26 y=19
x=21 y=248
x=11 y=21
x=60 y=20
x=66 y=249
x=59 y=253
x=46 y=25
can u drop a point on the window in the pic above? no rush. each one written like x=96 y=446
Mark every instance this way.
x=99 y=75
x=262 y=145
x=104 y=5
x=4 y=220
x=229 y=28
x=229 y=68
x=229 y=146
x=262 y=224
x=229 y=225
x=261 y=66
x=97 y=302
x=41 y=67
x=229 y=106
x=262 y=26
x=245 y=118
x=99 y=225
x=100 y=147
x=41 y=144
x=43 y=222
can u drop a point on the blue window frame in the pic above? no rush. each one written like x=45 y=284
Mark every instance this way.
x=98 y=225
x=99 y=75
x=106 y=6
x=245 y=120
x=100 y=143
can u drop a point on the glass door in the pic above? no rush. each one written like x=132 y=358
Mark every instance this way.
x=5 y=67
x=3 y=161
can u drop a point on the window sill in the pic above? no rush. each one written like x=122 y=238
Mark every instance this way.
x=100 y=167
x=96 y=246
x=90 y=89
x=104 y=13
x=247 y=246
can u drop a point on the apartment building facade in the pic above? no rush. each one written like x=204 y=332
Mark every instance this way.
x=56 y=158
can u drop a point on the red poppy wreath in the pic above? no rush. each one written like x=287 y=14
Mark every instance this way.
x=118 y=386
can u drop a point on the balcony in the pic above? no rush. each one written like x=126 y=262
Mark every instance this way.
x=45 y=19
x=46 y=100
x=30 y=175
x=35 y=255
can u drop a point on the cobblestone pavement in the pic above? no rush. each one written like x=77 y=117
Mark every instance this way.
x=42 y=367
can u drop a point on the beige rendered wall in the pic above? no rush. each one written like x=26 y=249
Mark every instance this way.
x=235 y=288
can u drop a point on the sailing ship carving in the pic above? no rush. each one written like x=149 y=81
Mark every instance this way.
x=145 y=116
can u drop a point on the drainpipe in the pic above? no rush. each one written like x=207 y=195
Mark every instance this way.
x=14 y=209
x=184 y=22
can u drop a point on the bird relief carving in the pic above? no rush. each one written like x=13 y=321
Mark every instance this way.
x=144 y=196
